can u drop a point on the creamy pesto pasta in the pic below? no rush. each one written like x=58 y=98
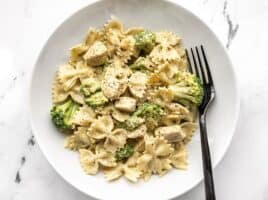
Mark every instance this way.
x=127 y=102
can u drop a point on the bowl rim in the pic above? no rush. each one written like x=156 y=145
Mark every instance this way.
x=188 y=11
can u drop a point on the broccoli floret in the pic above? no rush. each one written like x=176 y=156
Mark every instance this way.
x=90 y=87
x=145 y=41
x=97 y=99
x=188 y=88
x=148 y=113
x=124 y=153
x=139 y=64
x=62 y=114
x=131 y=123
x=152 y=114
x=149 y=110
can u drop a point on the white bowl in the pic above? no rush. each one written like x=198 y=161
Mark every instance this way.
x=154 y=15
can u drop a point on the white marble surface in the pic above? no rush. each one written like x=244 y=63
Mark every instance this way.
x=25 y=26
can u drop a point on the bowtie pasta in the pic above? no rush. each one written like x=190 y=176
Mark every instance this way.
x=127 y=101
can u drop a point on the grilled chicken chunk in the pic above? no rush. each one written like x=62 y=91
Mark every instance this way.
x=126 y=104
x=114 y=83
x=96 y=54
x=172 y=133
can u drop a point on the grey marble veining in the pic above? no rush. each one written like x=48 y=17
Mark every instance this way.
x=240 y=25
x=232 y=29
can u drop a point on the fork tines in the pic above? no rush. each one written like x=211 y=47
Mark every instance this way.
x=203 y=73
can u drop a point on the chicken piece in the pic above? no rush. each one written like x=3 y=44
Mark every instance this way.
x=171 y=133
x=137 y=84
x=126 y=104
x=114 y=83
x=96 y=54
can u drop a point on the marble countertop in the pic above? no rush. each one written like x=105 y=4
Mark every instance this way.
x=25 y=173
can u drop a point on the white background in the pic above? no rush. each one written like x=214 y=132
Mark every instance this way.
x=25 y=26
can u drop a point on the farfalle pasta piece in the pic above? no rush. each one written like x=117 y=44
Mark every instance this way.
x=105 y=158
x=193 y=112
x=161 y=166
x=119 y=116
x=179 y=158
x=113 y=34
x=84 y=70
x=132 y=161
x=84 y=116
x=105 y=110
x=155 y=157
x=161 y=147
x=167 y=38
x=161 y=54
x=177 y=108
x=101 y=127
x=68 y=75
x=170 y=119
x=115 y=140
x=188 y=128
x=155 y=80
x=182 y=113
x=162 y=96
x=131 y=173
x=127 y=49
x=167 y=72
x=144 y=165
x=133 y=31
x=92 y=36
x=114 y=24
x=127 y=169
x=76 y=52
x=58 y=93
x=76 y=95
x=139 y=132
x=137 y=84
x=90 y=161
x=140 y=145
x=80 y=139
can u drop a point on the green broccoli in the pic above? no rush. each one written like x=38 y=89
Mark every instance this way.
x=124 y=153
x=139 y=64
x=90 y=87
x=145 y=41
x=149 y=110
x=97 y=99
x=148 y=113
x=152 y=114
x=188 y=88
x=131 y=123
x=62 y=114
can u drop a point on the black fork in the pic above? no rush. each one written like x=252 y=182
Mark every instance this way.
x=202 y=71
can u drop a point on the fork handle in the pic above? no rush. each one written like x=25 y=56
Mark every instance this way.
x=207 y=168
